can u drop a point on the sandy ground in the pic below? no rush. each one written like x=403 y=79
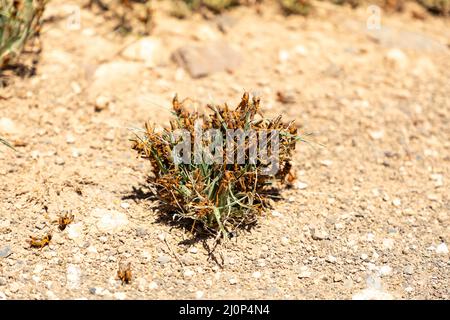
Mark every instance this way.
x=370 y=221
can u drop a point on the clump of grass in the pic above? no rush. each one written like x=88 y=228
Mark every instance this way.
x=129 y=16
x=302 y=7
x=218 y=196
x=183 y=8
x=20 y=20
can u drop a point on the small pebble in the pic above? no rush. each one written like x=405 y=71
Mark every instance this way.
x=388 y=243
x=256 y=274
x=409 y=270
x=442 y=248
x=275 y=213
x=14 y=287
x=326 y=163
x=193 y=250
x=409 y=289
x=376 y=135
x=397 y=202
x=163 y=259
x=70 y=139
x=319 y=234
x=101 y=103
x=300 y=185
x=5 y=251
x=232 y=281
x=120 y=296
x=338 y=278
x=385 y=270
x=59 y=161
x=188 y=273
x=304 y=274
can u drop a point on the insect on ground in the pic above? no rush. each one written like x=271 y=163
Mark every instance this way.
x=65 y=220
x=124 y=273
x=40 y=243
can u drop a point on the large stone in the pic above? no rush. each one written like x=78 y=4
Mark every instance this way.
x=8 y=126
x=115 y=79
x=406 y=40
x=148 y=49
x=201 y=61
x=5 y=251
x=110 y=221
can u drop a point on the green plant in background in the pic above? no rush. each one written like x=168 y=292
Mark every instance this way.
x=20 y=20
x=437 y=6
x=352 y=3
x=183 y=8
x=302 y=7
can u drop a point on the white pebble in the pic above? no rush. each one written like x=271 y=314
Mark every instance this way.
x=256 y=274
x=199 y=294
x=442 y=248
x=385 y=270
x=388 y=243
x=276 y=213
x=326 y=163
x=70 y=139
x=74 y=230
x=59 y=161
x=120 y=296
x=376 y=135
x=397 y=202
x=232 y=281
x=300 y=185
x=153 y=285
x=283 y=55
x=438 y=179
x=73 y=276
x=188 y=273
x=101 y=103
x=193 y=250
x=162 y=236
x=38 y=269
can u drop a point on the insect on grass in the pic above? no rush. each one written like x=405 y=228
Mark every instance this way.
x=216 y=191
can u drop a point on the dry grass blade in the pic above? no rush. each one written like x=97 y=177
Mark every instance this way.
x=6 y=143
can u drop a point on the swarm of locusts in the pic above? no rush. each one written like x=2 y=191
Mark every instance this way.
x=222 y=193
